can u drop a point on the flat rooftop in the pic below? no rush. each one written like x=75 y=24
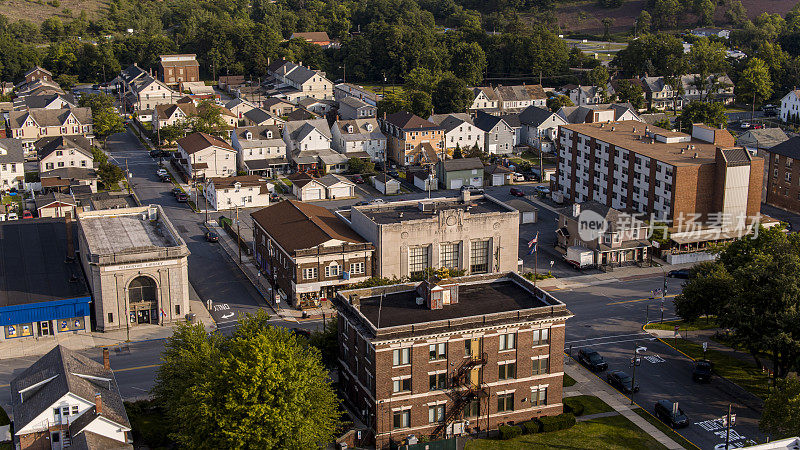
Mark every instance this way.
x=398 y=212
x=118 y=233
x=32 y=263
x=624 y=136
x=400 y=308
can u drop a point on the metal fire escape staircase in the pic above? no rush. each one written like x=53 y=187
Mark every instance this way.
x=462 y=390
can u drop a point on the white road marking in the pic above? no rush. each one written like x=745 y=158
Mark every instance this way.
x=139 y=389
x=227 y=316
x=655 y=359
x=608 y=337
x=648 y=337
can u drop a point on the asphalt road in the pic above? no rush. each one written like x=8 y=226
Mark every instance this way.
x=609 y=318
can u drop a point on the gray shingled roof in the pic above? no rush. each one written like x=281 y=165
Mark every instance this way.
x=487 y=122
x=450 y=121
x=63 y=368
x=258 y=115
x=50 y=117
x=534 y=115
x=48 y=145
x=451 y=165
x=299 y=129
x=13 y=151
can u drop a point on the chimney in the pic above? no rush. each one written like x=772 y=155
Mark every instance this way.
x=576 y=209
x=98 y=403
x=106 y=359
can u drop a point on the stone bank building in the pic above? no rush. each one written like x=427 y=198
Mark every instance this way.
x=136 y=266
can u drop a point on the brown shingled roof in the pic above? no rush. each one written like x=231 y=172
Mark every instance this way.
x=199 y=141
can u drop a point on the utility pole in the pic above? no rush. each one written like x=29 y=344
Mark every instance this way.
x=635 y=362
x=728 y=428
x=238 y=235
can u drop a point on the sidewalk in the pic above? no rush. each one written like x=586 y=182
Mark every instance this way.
x=589 y=384
x=262 y=285
x=620 y=274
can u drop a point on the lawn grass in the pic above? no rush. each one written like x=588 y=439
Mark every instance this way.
x=615 y=432
x=742 y=372
x=672 y=434
x=568 y=381
x=378 y=88
x=591 y=404
x=701 y=324
x=149 y=424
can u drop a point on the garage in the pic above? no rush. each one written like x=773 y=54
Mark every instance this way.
x=312 y=194
x=498 y=179
x=456 y=184
x=527 y=211
x=340 y=191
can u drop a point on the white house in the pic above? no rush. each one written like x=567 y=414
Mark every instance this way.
x=790 y=105
x=239 y=107
x=337 y=186
x=359 y=138
x=305 y=135
x=260 y=150
x=12 y=160
x=459 y=130
x=68 y=400
x=385 y=184
x=331 y=186
x=540 y=127
x=246 y=191
x=201 y=155
x=64 y=151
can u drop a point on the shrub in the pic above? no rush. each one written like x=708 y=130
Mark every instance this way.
x=532 y=426
x=574 y=406
x=509 y=432
x=559 y=422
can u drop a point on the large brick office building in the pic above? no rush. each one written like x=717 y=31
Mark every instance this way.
x=631 y=166
x=452 y=356
x=782 y=174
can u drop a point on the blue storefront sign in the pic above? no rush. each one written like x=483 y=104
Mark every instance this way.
x=70 y=311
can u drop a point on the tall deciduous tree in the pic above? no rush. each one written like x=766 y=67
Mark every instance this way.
x=555 y=102
x=755 y=82
x=105 y=119
x=451 y=95
x=261 y=388
x=710 y=288
x=631 y=92
x=781 y=415
x=468 y=62
x=706 y=58
x=711 y=114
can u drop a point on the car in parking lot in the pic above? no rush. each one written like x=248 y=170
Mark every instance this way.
x=679 y=273
x=27 y=214
x=12 y=216
x=161 y=172
x=592 y=360
x=758 y=126
x=473 y=190
x=182 y=197
x=516 y=192
x=671 y=414
x=531 y=177
x=274 y=197
x=158 y=153
x=377 y=201
x=361 y=203
x=518 y=177
x=744 y=125
x=176 y=191
x=393 y=173
x=165 y=178
x=541 y=190
x=622 y=381
x=702 y=371
x=358 y=179
x=212 y=236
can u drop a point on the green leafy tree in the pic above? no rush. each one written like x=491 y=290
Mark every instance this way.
x=556 y=102
x=451 y=95
x=469 y=62
x=262 y=387
x=705 y=12
x=422 y=79
x=706 y=58
x=110 y=175
x=664 y=123
x=419 y=103
x=208 y=119
x=665 y=13
x=736 y=13
x=66 y=81
x=105 y=119
x=457 y=152
x=99 y=156
x=608 y=22
x=655 y=54
x=628 y=91
x=710 y=288
x=780 y=417
x=327 y=342
x=390 y=104
x=173 y=132
x=644 y=22
x=711 y=114
x=598 y=76
x=755 y=82
x=358 y=165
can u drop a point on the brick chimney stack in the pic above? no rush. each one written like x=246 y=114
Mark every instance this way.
x=106 y=359
x=98 y=403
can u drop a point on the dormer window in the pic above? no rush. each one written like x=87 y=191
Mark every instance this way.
x=269 y=134
x=369 y=127
x=248 y=135
x=349 y=128
x=237 y=186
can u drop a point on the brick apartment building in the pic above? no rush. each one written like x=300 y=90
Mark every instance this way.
x=782 y=174
x=307 y=253
x=174 y=69
x=633 y=167
x=450 y=357
x=412 y=140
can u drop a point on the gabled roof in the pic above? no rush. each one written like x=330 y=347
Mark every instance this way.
x=54 y=197
x=496 y=168
x=11 y=151
x=57 y=373
x=229 y=182
x=333 y=179
x=40 y=69
x=258 y=133
x=765 y=138
x=360 y=129
x=789 y=148
x=452 y=165
x=258 y=115
x=407 y=121
x=46 y=146
x=43 y=100
x=450 y=121
x=164 y=112
x=300 y=129
x=535 y=115
x=131 y=73
x=614 y=218
x=354 y=102
x=272 y=101
x=488 y=122
x=511 y=120
x=238 y=101
x=296 y=225
x=300 y=114
x=578 y=114
x=49 y=117
x=196 y=142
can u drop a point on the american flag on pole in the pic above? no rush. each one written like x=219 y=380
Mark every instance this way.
x=533 y=243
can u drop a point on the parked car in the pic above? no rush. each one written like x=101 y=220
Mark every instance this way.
x=516 y=192
x=679 y=273
x=212 y=236
x=377 y=201
x=27 y=214
x=158 y=153
x=358 y=179
x=473 y=190
x=592 y=360
x=744 y=125
x=361 y=203
x=176 y=191
x=702 y=371
x=393 y=173
x=519 y=177
x=273 y=197
x=531 y=177
x=301 y=332
x=669 y=413
x=622 y=381
x=161 y=172
x=182 y=197
x=544 y=190
x=12 y=216
x=758 y=126
x=166 y=178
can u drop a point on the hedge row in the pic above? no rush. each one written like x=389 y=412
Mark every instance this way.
x=574 y=406
x=542 y=424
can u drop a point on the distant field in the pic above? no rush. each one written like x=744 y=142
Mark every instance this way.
x=37 y=12
x=585 y=16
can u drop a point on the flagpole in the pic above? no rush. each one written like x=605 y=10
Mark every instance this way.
x=535 y=261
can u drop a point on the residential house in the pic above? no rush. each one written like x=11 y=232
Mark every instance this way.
x=246 y=191
x=228 y=117
x=455 y=173
x=56 y=204
x=64 y=151
x=38 y=74
x=352 y=108
x=782 y=169
x=790 y=106
x=660 y=95
x=175 y=69
x=308 y=253
x=344 y=90
x=507 y=98
x=12 y=162
x=33 y=124
x=498 y=135
x=605 y=112
x=712 y=32
x=239 y=107
x=46 y=101
x=412 y=140
x=201 y=155
x=66 y=399
x=278 y=107
x=147 y=92
x=315 y=37
x=68 y=178
x=337 y=186
x=127 y=76
x=168 y=115
x=317 y=106
x=588 y=95
x=623 y=242
x=37 y=87
x=472 y=234
x=295 y=82
x=301 y=113
x=444 y=380
x=717 y=87
x=497 y=175
x=197 y=90
x=540 y=127
x=385 y=184
x=260 y=150
x=331 y=186
x=309 y=145
x=512 y=120
x=360 y=138
x=459 y=131
x=258 y=116
x=762 y=139
x=230 y=82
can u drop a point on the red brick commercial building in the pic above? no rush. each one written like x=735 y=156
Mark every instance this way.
x=783 y=174
x=633 y=167
x=174 y=69
x=450 y=357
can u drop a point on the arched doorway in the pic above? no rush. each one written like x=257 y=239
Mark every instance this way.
x=143 y=300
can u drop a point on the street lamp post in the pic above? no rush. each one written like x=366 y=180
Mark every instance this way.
x=635 y=362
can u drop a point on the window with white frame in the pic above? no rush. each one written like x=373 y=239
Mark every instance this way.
x=508 y=341
x=541 y=365
x=310 y=273
x=401 y=384
x=435 y=413
x=449 y=255
x=356 y=268
x=332 y=270
x=437 y=351
x=401 y=356
x=539 y=395
x=542 y=337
